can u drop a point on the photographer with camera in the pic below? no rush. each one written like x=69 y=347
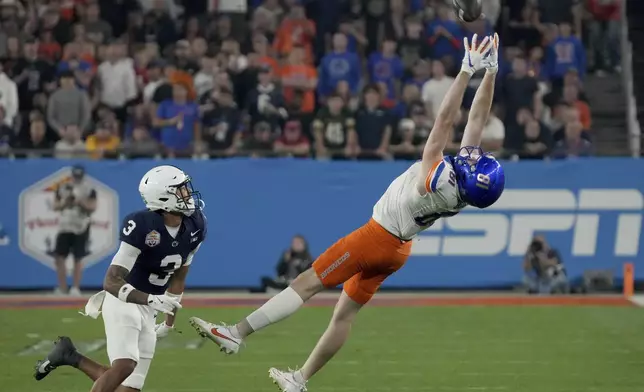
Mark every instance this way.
x=75 y=200
x=544 y=272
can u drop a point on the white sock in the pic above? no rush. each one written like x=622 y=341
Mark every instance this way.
x=275 y=309
x=297 y=375
x=234 y=331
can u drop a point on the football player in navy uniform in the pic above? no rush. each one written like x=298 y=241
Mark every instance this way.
x=147 y=275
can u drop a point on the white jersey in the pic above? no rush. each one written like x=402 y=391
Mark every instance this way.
x=404 y=211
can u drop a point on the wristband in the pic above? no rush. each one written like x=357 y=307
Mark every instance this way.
x=176 y=297
x=125 y=291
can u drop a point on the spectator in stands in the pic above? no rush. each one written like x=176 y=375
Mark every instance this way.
x=410 y=95
x=493 y=134
x=36 y=143
x=413 y=46
x=295 y=260
x=337 y=66
x=292 y=142
x=573 y=145
x=299 y=80
x=604 y=29
x=265 y=103
x=295 y=30
x=356 y=40
x=178 y=119
x=520 y=91
x=411 y=134
x=32 y=75
x=334 y=130
x=155 y=78
x=419 y=74
x=70 y=145
x=104 y=143
x=117 y=80
x=544 y=272
x=7 y=136
x=204 y=80
x=9 y=100
x=272 y=11
x=571 y=97
x=436 y=88
x=373 y=126
x=564 y=53
x=182 y=59
x=141 y=144
x=260 y=143
x=223 y=125
x=386 y=67
x=262 y=49
x=68 y=105
x=568 y=114
x=537 y=141
x=395 y=20
x=525 y=28
x=445 y=37
x=98 y=30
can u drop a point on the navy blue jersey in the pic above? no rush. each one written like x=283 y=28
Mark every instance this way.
x=161 y=255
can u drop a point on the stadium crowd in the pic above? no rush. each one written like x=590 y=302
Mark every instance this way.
x=340 y=79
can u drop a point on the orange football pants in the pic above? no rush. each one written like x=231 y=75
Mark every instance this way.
x=362 y=261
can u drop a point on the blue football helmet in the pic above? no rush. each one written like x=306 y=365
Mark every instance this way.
x=479 y=175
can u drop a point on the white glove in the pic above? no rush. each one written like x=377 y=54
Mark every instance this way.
x=491 y=60
x=163 y=303
x=162 y=330
x=473 y=58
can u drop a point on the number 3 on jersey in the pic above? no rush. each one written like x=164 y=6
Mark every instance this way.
x=131 y=225
x=170 y=264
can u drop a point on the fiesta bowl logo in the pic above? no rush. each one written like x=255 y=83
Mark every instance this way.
x=39 y=223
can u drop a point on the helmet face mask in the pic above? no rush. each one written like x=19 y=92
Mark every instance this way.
x=169 y=189
x=480 y=177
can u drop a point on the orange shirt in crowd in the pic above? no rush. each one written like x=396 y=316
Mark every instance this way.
x=584 y=114
x=295 y=32
x=300 y=72
x=271 y=62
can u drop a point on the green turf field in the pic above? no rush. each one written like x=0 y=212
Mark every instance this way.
x=517 y=349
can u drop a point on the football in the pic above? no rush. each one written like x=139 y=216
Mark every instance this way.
x=467 y=10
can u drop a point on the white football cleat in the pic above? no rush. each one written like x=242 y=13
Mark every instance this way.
x=220 y=334
x=286 y=380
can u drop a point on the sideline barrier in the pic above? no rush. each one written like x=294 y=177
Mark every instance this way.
x=590 y=210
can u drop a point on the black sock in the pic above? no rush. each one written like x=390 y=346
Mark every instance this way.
x=75 y=358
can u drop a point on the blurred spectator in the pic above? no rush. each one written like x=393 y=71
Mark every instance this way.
x=525 y=30
x=537 y=141
x=493 y=134
x=272 y=11
x=386 y=67
x=410 y=95
x=204 y=80
x=295 y=30
x=103 y=143
x=292 y=142
x=564 y=53
x=395 y=20
x=140 y=144
x=573 y=145
x=155 y=78
x=299 y=80
x=544 y=272
x=334 y=130
x=182 y=58
x=373 y=126
x=435 y=89
x=98 y=30
x=411 y=134
x=262 y=49
x=7 y=136
x=339 y=65
x=117 y=81
x=265 y=103
x=356 y=40
x=35 y=142
x=520 y=91
x=223 y=124
x=295 y=260
x=68 y=105
x=178 y=119
x=70 y=145
x=568 y=114
x=48 y=48
x=8 y=97
x=413 y=46
x=445 y=36
x=420 y=73
x=571 y=97
x=32 y=75
x=260 y=142
x=604 y=37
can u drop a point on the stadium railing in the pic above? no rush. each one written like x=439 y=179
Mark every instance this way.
x=634 y=129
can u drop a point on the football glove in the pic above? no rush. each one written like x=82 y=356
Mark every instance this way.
x=474 y=53
x=491 y=60
x=163 y=303
x=162 y=330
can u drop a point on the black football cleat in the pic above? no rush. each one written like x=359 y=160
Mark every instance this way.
x=63 y=353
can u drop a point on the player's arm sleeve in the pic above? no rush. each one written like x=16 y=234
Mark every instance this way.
x=126 y=256
x=431 y=180
x=191 y=255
